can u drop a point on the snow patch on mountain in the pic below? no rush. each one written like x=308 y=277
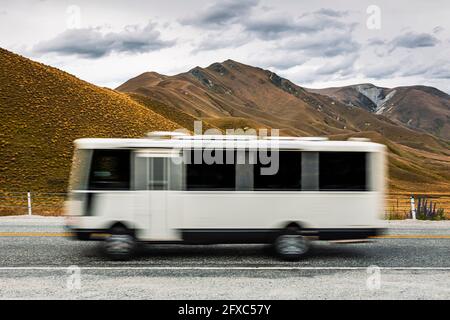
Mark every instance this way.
x=376 y=95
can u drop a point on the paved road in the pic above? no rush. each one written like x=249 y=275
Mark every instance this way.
x=414 y=262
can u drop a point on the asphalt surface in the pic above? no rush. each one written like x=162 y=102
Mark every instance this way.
x=411 y=262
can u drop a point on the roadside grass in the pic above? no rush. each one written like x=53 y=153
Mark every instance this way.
x=398 y=207
x=42 y=204
x=389 y=215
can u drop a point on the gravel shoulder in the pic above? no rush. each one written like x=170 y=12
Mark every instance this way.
x=258 y=285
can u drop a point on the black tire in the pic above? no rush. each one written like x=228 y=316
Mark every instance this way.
x=290 y=245
x=120 y=245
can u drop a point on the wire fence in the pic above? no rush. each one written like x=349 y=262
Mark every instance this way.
x=32 y=203
x=419 y=206
x=398 y=206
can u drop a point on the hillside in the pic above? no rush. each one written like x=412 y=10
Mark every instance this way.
x=182 y=119
x=44 y=109
x=231 y=94
x=213 y=93
x=417 y=107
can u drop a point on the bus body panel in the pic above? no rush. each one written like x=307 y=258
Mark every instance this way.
x=240 y=211
x=224 y=216
x=273 y=209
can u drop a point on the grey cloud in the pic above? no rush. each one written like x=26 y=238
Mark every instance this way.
x=340 y=56
x=221 y=13
x=269 y=27
x=332 y=13
x=380 y=71
x=283 y=63
x=376 y=42
x=279 y=59
x=441 y=74
x=414 y=40
x=273 y=26
x=264 y=24
x=216 y=41
x=324 y=44
x=413 y=70
x=307 y=32
x=432 y=69
x=343 y=67
x=409 y=40
x=438 y=29
x=92 y=43
x=438 y=70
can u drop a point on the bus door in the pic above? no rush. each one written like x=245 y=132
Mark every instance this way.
x=154 y=178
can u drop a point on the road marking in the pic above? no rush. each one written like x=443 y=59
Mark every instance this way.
x=35 y=234
x=280 y=268
x=412 y=236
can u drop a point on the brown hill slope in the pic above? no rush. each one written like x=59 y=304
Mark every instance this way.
x=232 y=89
x=227 y=93
x=182 y=119
x=417 y=107
x=43 y=110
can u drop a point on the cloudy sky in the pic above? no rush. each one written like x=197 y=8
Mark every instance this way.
x=313 y=43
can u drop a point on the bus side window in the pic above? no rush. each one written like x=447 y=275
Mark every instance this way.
x=201 y=176
x=158 y=168
x=288 y=176
x=343 y=171
x=110 y=170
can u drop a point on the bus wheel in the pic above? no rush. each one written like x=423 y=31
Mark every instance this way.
x=291 y=245
x=120 y=244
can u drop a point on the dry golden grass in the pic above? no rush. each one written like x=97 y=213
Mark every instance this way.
x=182 y=119
x=43 y=110
x=42 y=204
x=225 y=123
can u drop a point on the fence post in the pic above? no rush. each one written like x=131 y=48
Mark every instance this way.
x=29 y=203
x=413 y=208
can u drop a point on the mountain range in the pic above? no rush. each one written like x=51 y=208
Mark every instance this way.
x=417 y=107
x=231 y=94
x=45 y=109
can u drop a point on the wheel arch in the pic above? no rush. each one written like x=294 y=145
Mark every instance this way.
x=124 y=225
x=293 y=225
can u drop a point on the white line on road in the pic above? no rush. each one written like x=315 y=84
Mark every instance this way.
x=223 y=268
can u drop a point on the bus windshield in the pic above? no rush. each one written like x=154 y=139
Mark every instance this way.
x=80 y=169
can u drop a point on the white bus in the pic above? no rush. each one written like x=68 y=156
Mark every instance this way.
x=213 y=190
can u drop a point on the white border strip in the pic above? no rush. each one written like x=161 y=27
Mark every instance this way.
x=280 y=268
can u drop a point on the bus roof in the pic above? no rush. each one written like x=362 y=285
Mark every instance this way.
x=294 y=143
